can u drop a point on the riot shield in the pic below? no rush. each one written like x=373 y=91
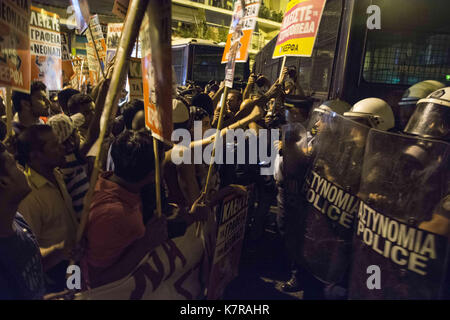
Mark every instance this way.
x=330 y=188
x=400 y=244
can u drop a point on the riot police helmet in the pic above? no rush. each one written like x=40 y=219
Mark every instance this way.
x=412 y=95
x=372 y=112
x=336 y=105
x=431 y=118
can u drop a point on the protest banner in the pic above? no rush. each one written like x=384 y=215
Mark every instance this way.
x=75 y=79
x=92 y=65
x=135 y=79
x=95 y=49
x=176 y=270
x=67 y=68
x=113 y=39
x=157 y=71
x=248 y=25
x=45 y=41
x=80 y=78
x=112 y=42
x=235 y=42
x=15 y=45
x=299 y=28
x=232 y=217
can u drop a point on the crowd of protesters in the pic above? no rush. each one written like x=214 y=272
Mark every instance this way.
x=45 y=169
x=47 y=161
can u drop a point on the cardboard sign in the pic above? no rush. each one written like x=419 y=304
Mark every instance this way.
x=120 y=8
x=75 y=79
x=80 y=78
x=98 y=40
x=235 y=42
x=45 y=41
x=113 y=40
x=230 y=235
x=15 y=45
x=67 y=69
x=135 y=79
x=299 y=28
x=155 y=35
x=248 y=25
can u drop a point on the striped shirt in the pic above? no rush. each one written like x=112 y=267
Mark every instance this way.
x=77 y=182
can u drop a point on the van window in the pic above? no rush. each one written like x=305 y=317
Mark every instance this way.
x=206 y=64
x=179 y=64
x=406 y=58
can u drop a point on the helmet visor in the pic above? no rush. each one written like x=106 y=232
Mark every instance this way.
x=364 y=119
x=430 y=120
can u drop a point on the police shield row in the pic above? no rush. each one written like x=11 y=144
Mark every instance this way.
x=353 y=193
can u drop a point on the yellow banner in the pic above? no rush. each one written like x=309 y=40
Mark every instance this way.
x=299 y=28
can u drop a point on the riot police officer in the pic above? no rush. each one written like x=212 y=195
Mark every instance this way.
x=407 y=105
x=405 y=184
x=324 y=248
x=291 y=164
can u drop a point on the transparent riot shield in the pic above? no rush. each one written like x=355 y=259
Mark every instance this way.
x=330 y=188
x=400 y=244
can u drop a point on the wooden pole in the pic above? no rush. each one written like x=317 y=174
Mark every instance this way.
x=160 y=17
x=133 y=22
x=219 y=127
x=9 y=112
x=157 y=178
x=137 y=47
x=81 y=75
x=281 y=70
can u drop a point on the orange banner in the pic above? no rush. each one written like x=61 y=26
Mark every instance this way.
x=157 y=69
x=248 y=25
x=299 y=28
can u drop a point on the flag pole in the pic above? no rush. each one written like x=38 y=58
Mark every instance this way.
x=157 y=178
x=280 y=78
x=9 y=112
